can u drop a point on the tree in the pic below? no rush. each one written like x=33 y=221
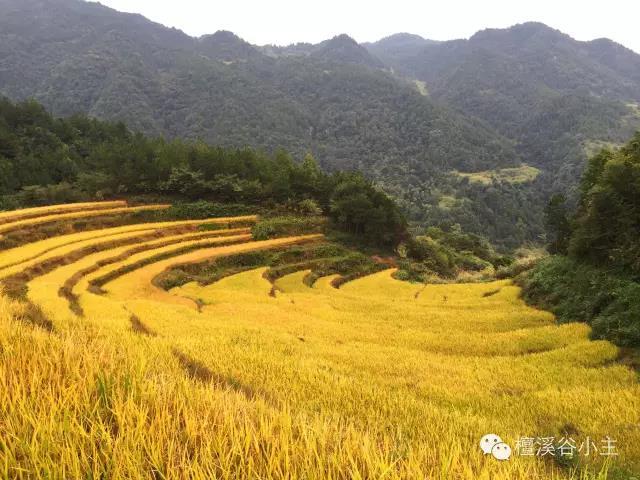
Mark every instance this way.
x=185 y=182
x=43 y=160
x=359 y=208
x=557 y=224
x=607 y=225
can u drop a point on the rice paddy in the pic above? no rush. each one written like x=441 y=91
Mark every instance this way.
x=6 y=217
x=245 y=378
x=58 y=217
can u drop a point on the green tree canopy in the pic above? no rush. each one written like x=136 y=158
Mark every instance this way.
x=607 y=225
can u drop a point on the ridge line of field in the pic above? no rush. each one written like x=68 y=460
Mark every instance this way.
x=86 y=236
x=27 y=213
x=38 y=221
x=66 y=290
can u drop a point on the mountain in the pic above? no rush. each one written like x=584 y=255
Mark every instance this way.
x=83 y=57
x=477 y=132
x=334 y=99
x=226 y=46
x=534 y=85
x=344 y=49
x=557 y=99
x=339 y=49
x=395 y=50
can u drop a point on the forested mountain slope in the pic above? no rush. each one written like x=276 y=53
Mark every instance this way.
x=556 y=97
x=406 y=111
x=81 y=57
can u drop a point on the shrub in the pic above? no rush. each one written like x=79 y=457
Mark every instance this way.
x=204 y=209
x=577 y=292
x=96 y=183
x=357 y=207
x=50 y=194
x=433 y=256
x=309 y=207
x=286 y=226
x=606 y=230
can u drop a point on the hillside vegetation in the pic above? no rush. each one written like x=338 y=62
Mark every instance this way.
x=553 y=96
x=47 y=160
x=521 y=174
x=405 y=110
x=534 y=84
x=241 y=372
x=334 y=101
x=598 y=283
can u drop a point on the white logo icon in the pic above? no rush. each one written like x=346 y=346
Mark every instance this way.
x=488 y=441
x=501 y=451
x=493 y=444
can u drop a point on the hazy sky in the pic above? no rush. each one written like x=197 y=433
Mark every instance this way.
x=289 y=21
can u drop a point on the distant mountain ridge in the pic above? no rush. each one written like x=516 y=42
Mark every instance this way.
x=399 y=48
x=226 y=46
x=340 y=49
x=405 y=110
x=75 y=56
x=602 y=65
x=552 y=95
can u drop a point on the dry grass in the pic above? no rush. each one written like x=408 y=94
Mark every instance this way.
x=45 y=290
x=294 y=282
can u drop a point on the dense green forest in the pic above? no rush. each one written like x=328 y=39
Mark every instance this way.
x=533 y=84
x=595 y=273
x=408 y=112
x=46 y=160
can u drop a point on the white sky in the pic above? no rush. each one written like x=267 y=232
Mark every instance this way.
x=283 y=22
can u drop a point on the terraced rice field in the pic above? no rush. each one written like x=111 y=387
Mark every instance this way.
x=16 y=224
x=11 y=216
x=243 y=378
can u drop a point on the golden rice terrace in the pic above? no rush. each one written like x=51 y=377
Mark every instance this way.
x=105 y=374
